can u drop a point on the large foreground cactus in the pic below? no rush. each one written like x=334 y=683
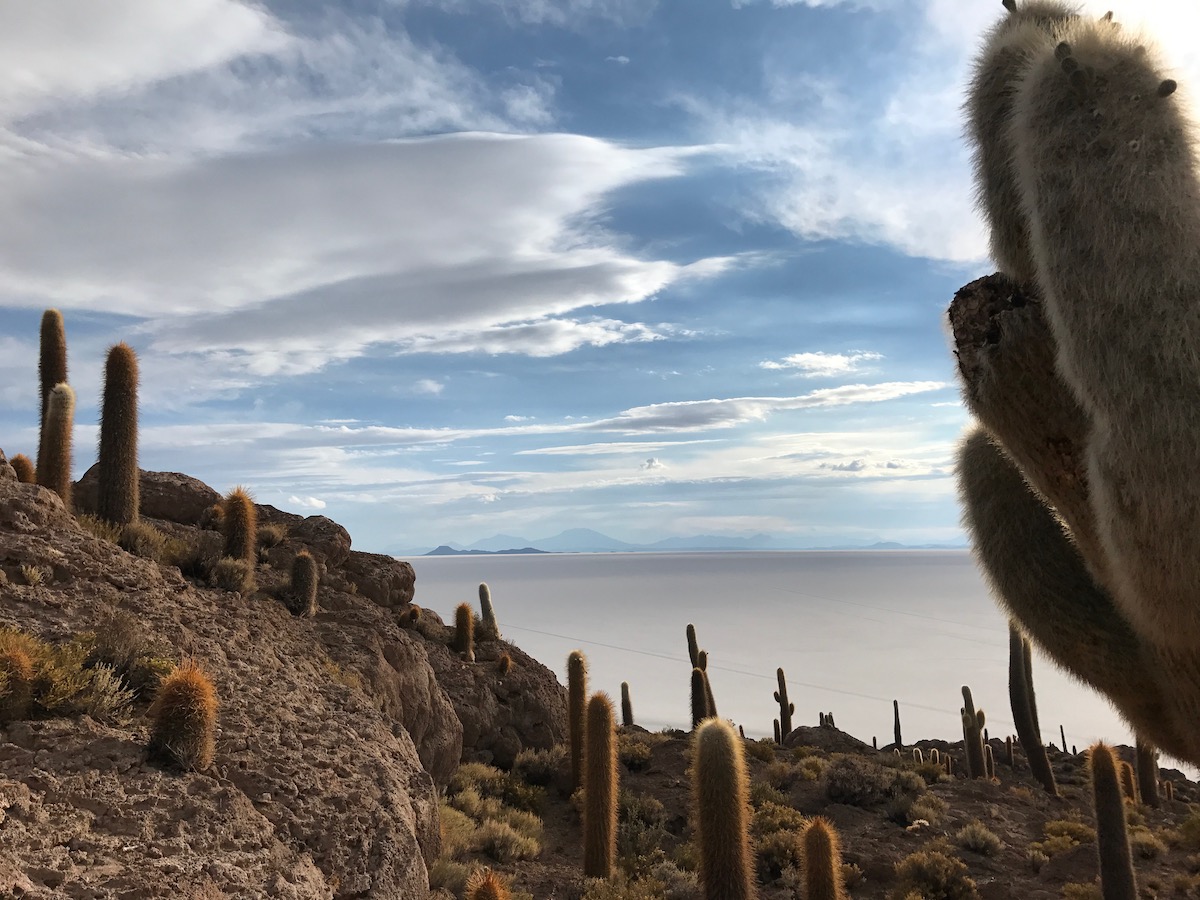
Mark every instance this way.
x=1081 y=361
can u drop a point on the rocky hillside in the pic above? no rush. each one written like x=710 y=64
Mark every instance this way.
x=334 y=731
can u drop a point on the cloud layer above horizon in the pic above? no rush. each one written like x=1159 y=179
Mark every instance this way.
x=445 y=268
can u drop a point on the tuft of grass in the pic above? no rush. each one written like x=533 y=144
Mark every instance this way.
x=449 y=874
x=99 y=528
x=33 y=575
x=271 y=535
x=230 y=574
x=1078 y=890
x=1145 y=844
x=142 y=539
x=976 y=837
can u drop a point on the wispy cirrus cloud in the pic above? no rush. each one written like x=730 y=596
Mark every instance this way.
x=820 y=364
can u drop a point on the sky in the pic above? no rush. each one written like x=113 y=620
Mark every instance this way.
x=442 y=269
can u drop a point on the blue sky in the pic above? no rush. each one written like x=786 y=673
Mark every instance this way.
x=441 y=269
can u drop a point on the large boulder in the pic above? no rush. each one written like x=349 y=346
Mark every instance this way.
x=170 y=496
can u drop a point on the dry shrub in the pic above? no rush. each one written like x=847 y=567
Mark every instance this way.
x=99 y=528
x=540 y=767
x=763 y=750
x=34 y=575
x=633 y=751
x=271 y=535
x=772 y=817
x=142 y=539
x=1145 y=844
x=976 y=837
x=231 y=574
x=932 y=875
x=503 y=843
x=856 y=781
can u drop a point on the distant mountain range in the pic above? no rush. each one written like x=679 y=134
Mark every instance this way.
x=585 y=540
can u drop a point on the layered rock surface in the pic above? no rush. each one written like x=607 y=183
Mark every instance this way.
x=333 y=731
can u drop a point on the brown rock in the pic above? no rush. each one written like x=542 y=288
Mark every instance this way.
x=317 y=781
x=170 y=496
x=381 y=579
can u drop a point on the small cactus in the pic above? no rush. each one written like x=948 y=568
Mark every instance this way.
x=464 y=630
x=504 y=664
x=1112 y=839
x=1168 y=791
x=239 y=525
x=989 y=760
x=626 y=706
x=1147 y=773
x=184 y=713
x=490 y=629
x=54 y=458
x=52 y=366
x=23 y=466
x=785 y=708
x=484 y=884
x=304 y=584
x=600 y=790
x=822 y=862
x=720 y=788
x=576 y=712
x=1128 y=782
x=117 y=470
x=973 y=722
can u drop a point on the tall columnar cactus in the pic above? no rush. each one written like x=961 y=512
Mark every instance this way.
x=785 y=708
x=23 y=466
x=693 y=646
x=576 y=711
x=626 y=706
x=1020 y=695
x=1147 y=773
x=709 y=701
x=600 y=790
x=304 y=584
x=1129 y=785
x=721 y=791
x=778 y=733
x=239 y=525
x=117 y=469
x=1027 y=655
x=822 y=857
x=490 y=629
x=989 y=759
x=700 y=710
x=54 y=459
x=973 y=721
x=1112 y=838
x=184 y=716
x=464 y=630
x=52 y=366
x=896 y=723
x=1104 y=162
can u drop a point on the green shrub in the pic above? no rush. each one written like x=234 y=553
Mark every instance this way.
x=1145 y=844
x=777 y=851
x=230 y=574
x=633 y=751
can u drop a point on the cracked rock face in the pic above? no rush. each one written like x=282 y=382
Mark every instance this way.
x=318 y=789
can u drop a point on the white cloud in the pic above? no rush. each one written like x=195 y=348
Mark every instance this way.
x=227 y=258
x=610 y=447
x=652 y=464
x=56 y=49
x=619 y=60
x=824 y=365
x=517 y=418
x=700 y=415
x=428 y=386
x=306 y=502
